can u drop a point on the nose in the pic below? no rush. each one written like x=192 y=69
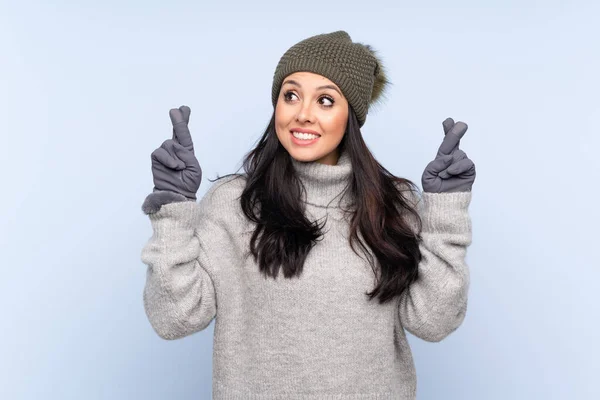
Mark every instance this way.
x=305 y=113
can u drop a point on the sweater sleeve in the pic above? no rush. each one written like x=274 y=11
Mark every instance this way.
x=179 y=296
x=435 y=304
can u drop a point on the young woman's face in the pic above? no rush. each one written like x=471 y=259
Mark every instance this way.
x=311 y=103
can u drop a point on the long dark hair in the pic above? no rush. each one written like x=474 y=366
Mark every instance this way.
x=284 y=236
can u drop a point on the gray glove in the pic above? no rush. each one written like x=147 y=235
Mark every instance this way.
x=451 y=170
x=176 y=172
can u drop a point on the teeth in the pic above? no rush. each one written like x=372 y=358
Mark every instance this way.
x=304 y=136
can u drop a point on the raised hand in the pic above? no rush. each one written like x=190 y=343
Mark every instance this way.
x=451 y=170
x=174 y=165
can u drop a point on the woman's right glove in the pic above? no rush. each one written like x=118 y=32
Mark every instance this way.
x=175 y=170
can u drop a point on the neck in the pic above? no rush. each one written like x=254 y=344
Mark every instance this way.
x=323 y=183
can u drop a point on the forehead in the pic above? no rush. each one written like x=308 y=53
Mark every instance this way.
x=308 y=79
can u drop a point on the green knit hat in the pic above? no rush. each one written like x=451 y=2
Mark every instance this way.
x=353 y=67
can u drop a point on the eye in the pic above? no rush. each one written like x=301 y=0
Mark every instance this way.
x=329 y=99
x=287 y=94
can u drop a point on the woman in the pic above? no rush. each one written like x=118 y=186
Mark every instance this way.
x=362 y=258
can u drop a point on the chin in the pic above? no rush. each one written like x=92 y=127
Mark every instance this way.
x=305 y=156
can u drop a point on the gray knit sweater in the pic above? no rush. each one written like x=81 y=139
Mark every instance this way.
x=312 y=337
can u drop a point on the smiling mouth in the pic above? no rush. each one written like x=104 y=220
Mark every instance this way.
x=304 y=136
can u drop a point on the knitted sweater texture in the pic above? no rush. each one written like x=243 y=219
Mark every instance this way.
x=316 y=336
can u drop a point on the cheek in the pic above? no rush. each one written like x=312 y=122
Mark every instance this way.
x=337 y=123
x=282 y=113
x=281 y=121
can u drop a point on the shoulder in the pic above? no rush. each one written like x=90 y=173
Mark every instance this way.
x=222 y=222
x=225 y=188
x=412 y=198
x=409 y=191
x=221 y=202
x=224 y=193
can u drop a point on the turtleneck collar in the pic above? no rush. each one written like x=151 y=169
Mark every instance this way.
x=325 y=183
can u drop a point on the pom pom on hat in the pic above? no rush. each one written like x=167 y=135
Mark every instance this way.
x=381 y=83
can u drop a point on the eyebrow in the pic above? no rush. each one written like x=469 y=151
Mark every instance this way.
x=292 y=82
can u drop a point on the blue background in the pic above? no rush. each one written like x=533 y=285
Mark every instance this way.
x=86 y=88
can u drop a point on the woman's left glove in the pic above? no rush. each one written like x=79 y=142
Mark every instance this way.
x=452 y=170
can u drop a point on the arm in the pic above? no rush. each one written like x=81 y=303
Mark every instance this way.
x=435 y=305
x=179 y=295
